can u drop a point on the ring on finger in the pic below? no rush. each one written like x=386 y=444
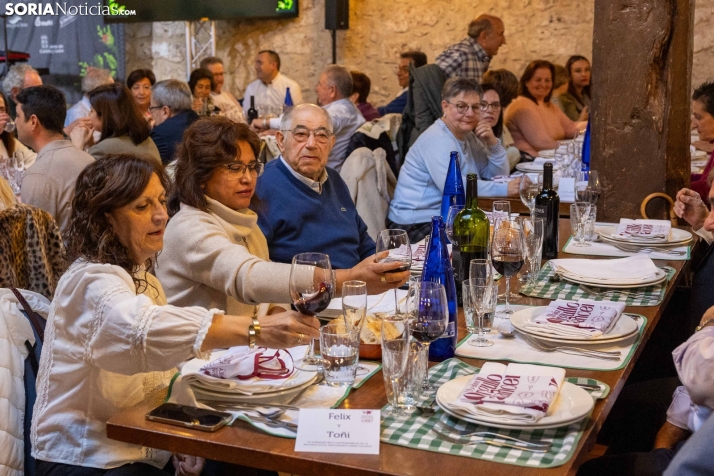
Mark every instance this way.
x=300 y=337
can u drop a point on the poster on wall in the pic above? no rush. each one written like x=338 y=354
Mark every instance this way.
x=63 y=39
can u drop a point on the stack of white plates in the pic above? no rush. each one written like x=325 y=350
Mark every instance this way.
x=699 y=155
x=677 y=237
x=570 y=406
x=280 y=393
x=547 y=153
x=524 y=322
x=529 y=167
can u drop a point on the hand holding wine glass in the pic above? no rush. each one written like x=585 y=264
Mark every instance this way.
x=396 y=244
x=507 y=253
x=311 y=288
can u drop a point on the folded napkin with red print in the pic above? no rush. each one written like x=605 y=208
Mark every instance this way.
x=517 y=393
x=584 y=318
x=655 y=230
x=244 y=370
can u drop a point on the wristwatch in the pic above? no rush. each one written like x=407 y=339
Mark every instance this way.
x=703 y=325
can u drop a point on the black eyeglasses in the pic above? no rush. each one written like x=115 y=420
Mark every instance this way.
x=461 y=107
x=151 y=108
x=255 y=168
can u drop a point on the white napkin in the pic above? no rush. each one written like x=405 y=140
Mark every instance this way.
x=630 y=270
x=583 y=318
x=517 y=393
x=193 y=372
x=655 y=230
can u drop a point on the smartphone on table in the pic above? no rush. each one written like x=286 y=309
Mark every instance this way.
x=189 y=417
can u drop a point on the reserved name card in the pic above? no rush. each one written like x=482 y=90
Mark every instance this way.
x=324 y=430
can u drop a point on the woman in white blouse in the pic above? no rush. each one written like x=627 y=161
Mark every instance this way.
x=111 y=339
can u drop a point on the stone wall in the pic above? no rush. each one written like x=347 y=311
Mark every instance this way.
x=549 y=29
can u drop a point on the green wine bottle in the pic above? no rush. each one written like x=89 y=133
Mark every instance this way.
x=471 y=232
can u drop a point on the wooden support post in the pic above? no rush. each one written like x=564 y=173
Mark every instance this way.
x=642 y=64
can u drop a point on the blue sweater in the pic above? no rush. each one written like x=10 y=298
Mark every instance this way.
x=296 y=219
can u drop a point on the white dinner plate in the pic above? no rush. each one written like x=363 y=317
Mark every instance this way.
x=529 y=167
x=699 y=154
x=277 y=397
x=547 y=153
x=658 y=277
x=571 y=405
x=299 y=377
x=677 y=237
x=623 y=329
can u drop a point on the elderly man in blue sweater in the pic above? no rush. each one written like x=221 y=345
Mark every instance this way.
x=303 y=205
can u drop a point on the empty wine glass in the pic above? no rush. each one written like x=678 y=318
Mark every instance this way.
x=429 y=317
x=483 y=303
x=531 y=185
x=453 y=211
x=481 y=271
x=507 y=253
x=311 y=287
x=9 y=125
x=589 y=180
x=533 y=231
x=396 y=244
x=395 y=351
x=354 y=304
x=501 y=209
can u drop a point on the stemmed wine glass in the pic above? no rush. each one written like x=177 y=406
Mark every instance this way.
x=501 y=210
x=453 y=211
x=428 y=319
x=311 y=288
x=354 y=304
x=482 y=300
x=507 y=253
x=396 y=243
x=531 y=185
x=481 y=271
x=589 y=180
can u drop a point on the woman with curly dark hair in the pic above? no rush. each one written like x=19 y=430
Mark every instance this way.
x=123 y=128
x=111 y=339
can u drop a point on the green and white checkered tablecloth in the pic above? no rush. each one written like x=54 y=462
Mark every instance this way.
x=414 y=428
x=546 y=288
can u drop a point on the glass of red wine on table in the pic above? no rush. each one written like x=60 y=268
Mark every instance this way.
x=311 y=288
x=396 y=244
x=507 y=253
x=428 y=316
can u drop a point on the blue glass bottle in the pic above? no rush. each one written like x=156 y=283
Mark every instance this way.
x=288 y=101
x=586 y=149
x=454 y=193
x=437 y=268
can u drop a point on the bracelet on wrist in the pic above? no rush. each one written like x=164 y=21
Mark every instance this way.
x=495 y=147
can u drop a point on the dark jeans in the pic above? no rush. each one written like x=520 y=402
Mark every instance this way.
x=416 y=232
x=212 y=468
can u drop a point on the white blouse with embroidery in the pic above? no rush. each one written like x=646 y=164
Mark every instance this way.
x=106 y=349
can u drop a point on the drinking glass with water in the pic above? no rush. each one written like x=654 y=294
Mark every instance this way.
x=340 y=354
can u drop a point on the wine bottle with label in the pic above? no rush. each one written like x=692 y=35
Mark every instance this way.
x=471 y=232
x=252 y=112
x=437 y=268
x=547 y=206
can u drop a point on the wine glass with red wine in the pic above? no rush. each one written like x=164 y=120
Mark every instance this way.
x=429 y=317
x=311 y=289
x=396 y=244
x=508 y=253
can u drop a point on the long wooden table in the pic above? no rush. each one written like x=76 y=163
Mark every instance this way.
x=246 y=445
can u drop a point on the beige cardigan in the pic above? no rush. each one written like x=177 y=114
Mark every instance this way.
x=220 y=260
x=124 y=145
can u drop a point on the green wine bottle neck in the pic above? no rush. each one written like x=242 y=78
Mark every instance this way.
x=472 y=191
